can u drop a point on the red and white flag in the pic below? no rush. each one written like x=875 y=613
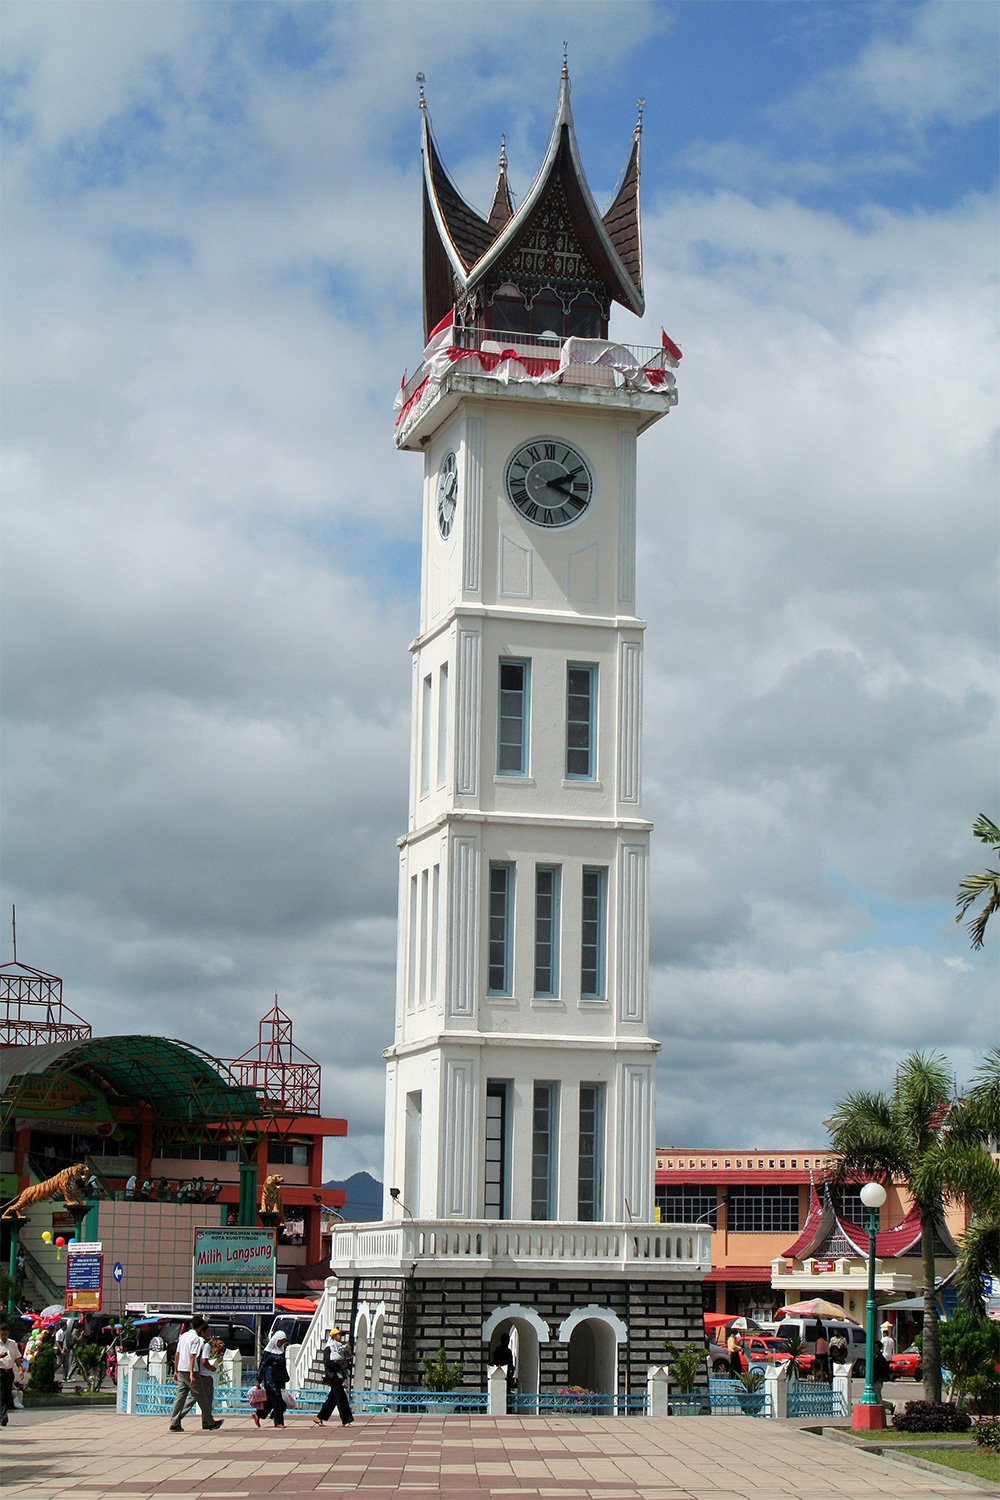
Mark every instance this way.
x=671 y=348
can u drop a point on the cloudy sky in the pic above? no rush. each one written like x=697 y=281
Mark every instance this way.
x=211 y=547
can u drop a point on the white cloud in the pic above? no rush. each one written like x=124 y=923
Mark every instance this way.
x=210 y=542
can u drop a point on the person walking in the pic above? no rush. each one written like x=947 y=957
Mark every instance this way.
x=336 y=1363
x=192 y=1363
x=10 y=1370
x=888 y=1342
x=272 y=1374
x=733 y=1350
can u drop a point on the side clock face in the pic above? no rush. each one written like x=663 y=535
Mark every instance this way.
x=549 y=481
x=447 y=494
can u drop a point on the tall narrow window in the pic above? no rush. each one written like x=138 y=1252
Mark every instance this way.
x=544 y=1127
x=500 y=929
x=411 y=1152
x=512 y=735
x=590 y=1191
x=593 y=928
x=435 y=930
x=426 y=725
x=411 y=966
x=581 y=699
x=546 y=930
x=423 y=958
x=442 y=745
x=496 y=1196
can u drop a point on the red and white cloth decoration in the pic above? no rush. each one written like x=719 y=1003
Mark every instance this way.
x=506 y=365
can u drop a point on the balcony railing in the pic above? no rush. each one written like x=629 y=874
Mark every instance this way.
x=601 y=364
x=468 y=1243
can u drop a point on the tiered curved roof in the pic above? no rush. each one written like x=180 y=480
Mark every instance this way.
x=461 y=248
x=823 y=1223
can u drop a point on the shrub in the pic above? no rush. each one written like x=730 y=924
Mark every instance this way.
x=931 y=1416
x=43 y=1370
x=92 y=1362
x=439 y=1375
x=684 y=1364
x=969 y=1346
x=987 y=1433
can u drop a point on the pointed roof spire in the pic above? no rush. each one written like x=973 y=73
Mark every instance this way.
x=502 y=210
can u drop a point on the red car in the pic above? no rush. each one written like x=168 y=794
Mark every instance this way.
x=762 y=1349
x=906 y=1366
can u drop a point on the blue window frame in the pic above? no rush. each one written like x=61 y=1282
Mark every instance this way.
x=544 y=1135
x=590 y=1192
x=546 y=930
x=499 y=942
x=512 y=718
x=581 y=716
x=593 y=940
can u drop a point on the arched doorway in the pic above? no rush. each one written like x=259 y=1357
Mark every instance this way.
x=593 y=1335
x=378 y=1333
x=520 y=1331
x=358 y=1380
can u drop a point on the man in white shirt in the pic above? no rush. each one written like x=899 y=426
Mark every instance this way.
x=192 y=1364
x=888 y=1342
x=10 y=1372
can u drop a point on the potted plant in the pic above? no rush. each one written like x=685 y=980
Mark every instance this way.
x=684 y=1366
x=441 y=1376
x=752 y=1396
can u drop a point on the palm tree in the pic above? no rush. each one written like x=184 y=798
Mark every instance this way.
x=985 y=883
x=935 y=1146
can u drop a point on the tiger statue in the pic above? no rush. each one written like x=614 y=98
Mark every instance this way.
x=270 y=1196
x=68 y=1182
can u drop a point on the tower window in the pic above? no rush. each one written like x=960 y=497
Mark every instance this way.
x=426 y=725
x=581 y=698
x=590 y=1191
x=509 y=312
x=544 y=1121
x=512 y=735
x=442 y=725
x=546 y=314
x=496 y=1196
x=584 y=318
x=593 y=928
x=500 y=925
x=546 y=930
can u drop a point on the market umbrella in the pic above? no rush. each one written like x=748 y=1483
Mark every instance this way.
x=717 y=1320
x=55 y=1311
x=747 y=1325
x=816 y=1307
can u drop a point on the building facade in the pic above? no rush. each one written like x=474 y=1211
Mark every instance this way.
x=520 y=1083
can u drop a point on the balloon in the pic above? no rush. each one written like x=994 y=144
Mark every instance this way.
x=47 y=1236
x=60 y=1241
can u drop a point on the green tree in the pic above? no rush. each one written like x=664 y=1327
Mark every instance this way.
x=923 y=1138
x=985 y=883
x=970 y=1345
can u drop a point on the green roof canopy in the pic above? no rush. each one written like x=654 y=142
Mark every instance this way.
x=179 y=1082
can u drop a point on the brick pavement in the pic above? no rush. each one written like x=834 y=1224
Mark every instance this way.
x=101 y=1456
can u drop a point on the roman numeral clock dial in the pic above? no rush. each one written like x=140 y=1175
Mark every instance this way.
x=549 y=481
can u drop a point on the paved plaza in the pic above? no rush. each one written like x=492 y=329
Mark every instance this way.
x=94 y=1455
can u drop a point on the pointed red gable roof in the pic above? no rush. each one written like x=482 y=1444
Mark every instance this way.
x=461 y=247
x=822 y=1220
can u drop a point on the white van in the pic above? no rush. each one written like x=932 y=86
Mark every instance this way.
x=808 y=1330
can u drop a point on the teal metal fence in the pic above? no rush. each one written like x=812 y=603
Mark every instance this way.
x=811 y=1399
x=576 y=1404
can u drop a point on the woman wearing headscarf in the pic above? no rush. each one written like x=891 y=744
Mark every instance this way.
x=336 y=1363
x=272 y=1374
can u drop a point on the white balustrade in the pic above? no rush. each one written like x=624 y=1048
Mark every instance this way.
x=684 y=1248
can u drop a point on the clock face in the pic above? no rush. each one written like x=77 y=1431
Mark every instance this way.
x=447 y=494
x=549 y=481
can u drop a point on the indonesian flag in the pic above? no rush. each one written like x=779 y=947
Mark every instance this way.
x=441 y=335
x=671 y=348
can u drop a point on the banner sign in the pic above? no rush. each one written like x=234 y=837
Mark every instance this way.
x=233 y=1271
x=39 y=1099
x=84 y=1281
x=822 y=1267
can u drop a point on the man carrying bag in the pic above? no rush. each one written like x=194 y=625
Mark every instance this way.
x=336 y=1364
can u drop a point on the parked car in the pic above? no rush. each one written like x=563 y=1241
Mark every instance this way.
x=292 y=1325
x=718 y=1358
x=808 y=1330
x=234 y=1335
x=757 y=1349
x=907 y=1365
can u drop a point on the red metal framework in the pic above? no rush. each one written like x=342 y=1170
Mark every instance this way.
x=288 y=1077
x=34 y=1013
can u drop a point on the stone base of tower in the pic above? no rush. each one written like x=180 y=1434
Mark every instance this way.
x=599 y=1324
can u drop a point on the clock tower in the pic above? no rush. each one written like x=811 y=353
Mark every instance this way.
x=520 y=1098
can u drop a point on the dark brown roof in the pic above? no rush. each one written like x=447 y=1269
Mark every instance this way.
x=622 y=218
x=502 y=210
x=470 y=235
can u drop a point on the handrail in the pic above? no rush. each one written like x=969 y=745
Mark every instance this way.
x=508 y=1240
x=38 y=1271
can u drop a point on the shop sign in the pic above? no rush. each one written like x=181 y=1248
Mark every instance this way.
x=822 y=1267
x=233 y=1271
x=84 y=1281
x=41 y=1099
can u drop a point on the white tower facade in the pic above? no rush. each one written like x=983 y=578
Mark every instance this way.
x=519 y=1134
x=521 y=1080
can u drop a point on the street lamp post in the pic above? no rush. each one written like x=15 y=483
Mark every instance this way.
x=869 y=1411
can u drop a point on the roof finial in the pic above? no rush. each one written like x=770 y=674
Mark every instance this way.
x=565 y=65
x=421 y=80
x=503 y=153
x=13 y=929
x=640 y=106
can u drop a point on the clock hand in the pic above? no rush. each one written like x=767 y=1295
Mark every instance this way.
x=559 y=484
